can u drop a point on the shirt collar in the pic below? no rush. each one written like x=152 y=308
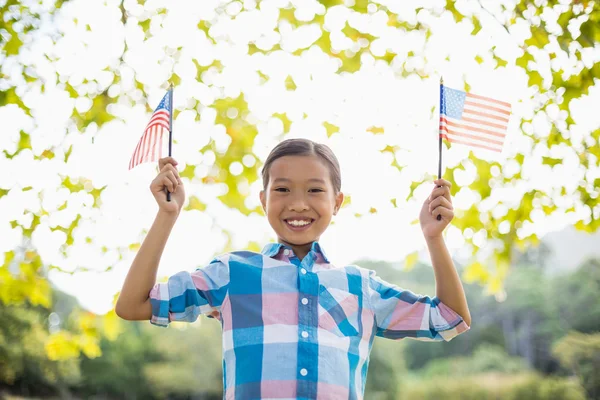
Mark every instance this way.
x=272 y=249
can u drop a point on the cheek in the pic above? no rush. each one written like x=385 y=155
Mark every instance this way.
x=273 y=205
x=325 y=208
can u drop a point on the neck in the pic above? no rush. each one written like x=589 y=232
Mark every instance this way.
x=300 y=250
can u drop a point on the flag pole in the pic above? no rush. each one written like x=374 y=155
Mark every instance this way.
x=439 y=217
x=170 y=127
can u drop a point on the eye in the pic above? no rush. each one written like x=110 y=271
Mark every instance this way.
x=280 y=189
x=317 y=190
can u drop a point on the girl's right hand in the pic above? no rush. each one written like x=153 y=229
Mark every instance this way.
x=168 y=178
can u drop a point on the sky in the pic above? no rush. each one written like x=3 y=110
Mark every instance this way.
x=377 y=95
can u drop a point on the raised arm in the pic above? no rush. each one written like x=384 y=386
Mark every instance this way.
x=134 y=302
x=449 y=288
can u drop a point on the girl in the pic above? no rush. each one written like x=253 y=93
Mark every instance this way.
x=294 y=324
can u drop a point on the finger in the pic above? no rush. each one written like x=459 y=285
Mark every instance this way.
x=166 y=161
x=174 y=176
x=445 y=192
x=444 y=212
x=168 y=167
x=443 y=182
x=440 y=201
x=170 y=183
x=440 y=191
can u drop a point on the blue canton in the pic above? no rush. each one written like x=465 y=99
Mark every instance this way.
x=453 y=102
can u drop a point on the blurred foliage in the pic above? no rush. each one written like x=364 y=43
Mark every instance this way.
x=538 y=355
x=486 y=358
x=23 y=272
x=386 y=368
x=580 y=353
x=528 y=321
x=495 y=387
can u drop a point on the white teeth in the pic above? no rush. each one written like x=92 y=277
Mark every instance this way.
x=298 y=223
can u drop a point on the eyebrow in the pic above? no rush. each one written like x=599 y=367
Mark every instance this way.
x=309 y=180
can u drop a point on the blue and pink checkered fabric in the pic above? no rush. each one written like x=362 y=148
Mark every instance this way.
x=298 y=329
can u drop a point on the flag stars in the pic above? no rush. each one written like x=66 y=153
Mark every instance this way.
x=453 y=102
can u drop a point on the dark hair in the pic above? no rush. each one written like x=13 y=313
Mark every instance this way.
x=304 y=147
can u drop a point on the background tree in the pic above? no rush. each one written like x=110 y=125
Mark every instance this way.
x=41 y=41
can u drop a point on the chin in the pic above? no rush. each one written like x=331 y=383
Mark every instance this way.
x=296 y=241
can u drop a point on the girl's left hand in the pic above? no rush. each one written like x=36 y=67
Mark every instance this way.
x=439 y=202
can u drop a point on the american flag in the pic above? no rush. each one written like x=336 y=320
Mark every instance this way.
x=473 y=120
x=149 y=147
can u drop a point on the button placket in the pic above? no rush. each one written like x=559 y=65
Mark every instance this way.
x=308 y=287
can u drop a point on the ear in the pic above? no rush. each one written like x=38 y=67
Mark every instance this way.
x=339 y=199
x=263 y=200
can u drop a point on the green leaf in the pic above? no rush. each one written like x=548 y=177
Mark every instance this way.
x=539 y=37
x=195 y=204
x=535 y=79
x=564 y=19
x=450 y=7
x=188 y=172
x=476 y=26
x=551 y=161
x=145 y=24
x=355 y=34
x=350 y=63
x=411 y=260
x=549 y=209
x=590 y=33
x=286 y=121
x=413 y=186
x=97 y=113
x=500 y=62
x=289 y=83
x=71 y=90
x=375 y=130
x=13 y=46
x=360 y=6
x=331 y=129
x=524 y=60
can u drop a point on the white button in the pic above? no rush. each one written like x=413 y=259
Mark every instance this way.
x=305 y=301
x=304 y=334
x=303 y=271
x=303 y=372
x=286 y=252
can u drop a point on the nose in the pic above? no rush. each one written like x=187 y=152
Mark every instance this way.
x=298 y=202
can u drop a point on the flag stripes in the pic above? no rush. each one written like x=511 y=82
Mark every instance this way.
x=473 y=120
x=149 y=148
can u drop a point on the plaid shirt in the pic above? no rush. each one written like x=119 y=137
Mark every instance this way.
x=298 y=329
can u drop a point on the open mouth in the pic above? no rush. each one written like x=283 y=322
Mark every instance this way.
x=299 y=225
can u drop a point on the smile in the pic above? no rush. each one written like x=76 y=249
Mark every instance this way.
x=299 y=225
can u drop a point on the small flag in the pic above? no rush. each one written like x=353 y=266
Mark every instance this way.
x=149 y=147
x=473 y=120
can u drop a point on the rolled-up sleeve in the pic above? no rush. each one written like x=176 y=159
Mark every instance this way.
x=400 y=313
x=186 y=295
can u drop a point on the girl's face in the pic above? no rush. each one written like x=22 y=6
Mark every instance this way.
x=300 y=199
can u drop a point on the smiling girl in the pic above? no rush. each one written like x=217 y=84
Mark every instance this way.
x=295 y=325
